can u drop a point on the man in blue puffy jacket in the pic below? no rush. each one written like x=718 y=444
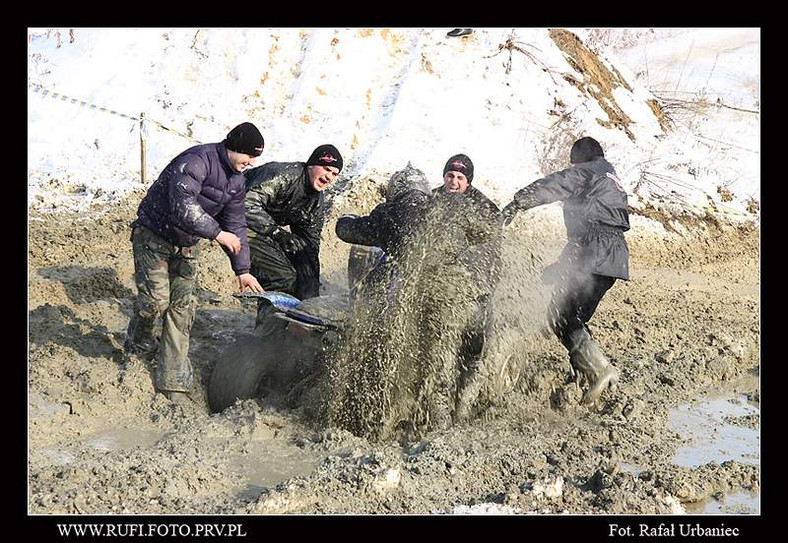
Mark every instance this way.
x=596 y=254
x=199 y=195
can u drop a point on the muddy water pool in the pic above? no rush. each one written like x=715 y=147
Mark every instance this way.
x=716 y=429
x=265 y=465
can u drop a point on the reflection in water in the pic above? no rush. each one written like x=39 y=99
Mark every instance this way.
x=261 y=468
x=737 y=503
x=117 y=439
x=711 y=436
x=708 y=426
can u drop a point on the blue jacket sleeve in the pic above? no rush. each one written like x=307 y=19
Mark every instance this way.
x=233 y=219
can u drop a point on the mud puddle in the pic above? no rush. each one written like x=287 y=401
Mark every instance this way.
x=105 y=440
x=718 y=429
x=736 y=503
x=713 y=434
x=115 y=438
x=264 y=466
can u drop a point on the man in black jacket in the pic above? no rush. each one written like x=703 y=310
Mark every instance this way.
x=472 y=221
x=289 y=194
x=199 y=195
x=389 y=229
x=595 y=256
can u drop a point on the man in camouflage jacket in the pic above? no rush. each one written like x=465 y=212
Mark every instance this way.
x=289 y=194
x=471 y=229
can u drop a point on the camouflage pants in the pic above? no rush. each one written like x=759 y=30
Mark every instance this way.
x=283 y=272
x=166 y=278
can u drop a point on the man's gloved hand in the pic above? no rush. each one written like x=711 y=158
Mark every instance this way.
x=288 y=241
x=508 y=213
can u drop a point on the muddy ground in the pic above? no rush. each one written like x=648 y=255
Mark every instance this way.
x=686 y=325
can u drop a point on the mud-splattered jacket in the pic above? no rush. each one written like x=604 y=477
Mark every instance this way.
x=476 y=220
x=198 y=195
x=389 y=225
x=595 y=215
x=279 y=194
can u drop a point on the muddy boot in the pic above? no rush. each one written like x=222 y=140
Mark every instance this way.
x=178 y=398
x=589 y=361
x=467 y=396
x=607 y=377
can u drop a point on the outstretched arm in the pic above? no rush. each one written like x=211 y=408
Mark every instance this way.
x=555 y=187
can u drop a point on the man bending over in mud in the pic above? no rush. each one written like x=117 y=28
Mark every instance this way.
x=289 y=194
x=595 y=256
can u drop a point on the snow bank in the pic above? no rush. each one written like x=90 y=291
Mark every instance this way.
x=513 y=100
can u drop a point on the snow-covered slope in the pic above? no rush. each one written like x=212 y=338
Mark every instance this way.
x=512 y=99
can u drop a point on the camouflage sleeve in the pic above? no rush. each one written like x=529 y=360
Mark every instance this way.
x=310 y=228
x=185 y=210
x=555 y=187
x=263 y=184
x=309 y=264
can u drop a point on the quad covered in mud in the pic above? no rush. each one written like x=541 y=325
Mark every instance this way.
x=290 y=339
x=314 y=353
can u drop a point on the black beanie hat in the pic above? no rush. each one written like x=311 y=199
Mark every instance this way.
x=460 y=163
x=585 y=149
x=325 y=155
x=247 y=139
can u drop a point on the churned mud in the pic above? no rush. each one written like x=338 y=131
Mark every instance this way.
x=684 y=331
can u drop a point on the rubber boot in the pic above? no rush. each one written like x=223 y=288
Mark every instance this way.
x=592 y=363
x=178 y=398
x=467 y=395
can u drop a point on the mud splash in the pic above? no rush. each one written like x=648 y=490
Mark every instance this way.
x=397 y=374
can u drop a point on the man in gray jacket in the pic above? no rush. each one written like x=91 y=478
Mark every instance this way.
x=199 y=195
x=595 y=256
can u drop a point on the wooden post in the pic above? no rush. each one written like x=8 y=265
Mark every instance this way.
x=143 y=176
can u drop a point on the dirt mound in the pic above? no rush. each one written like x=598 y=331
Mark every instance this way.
x=599 y=82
